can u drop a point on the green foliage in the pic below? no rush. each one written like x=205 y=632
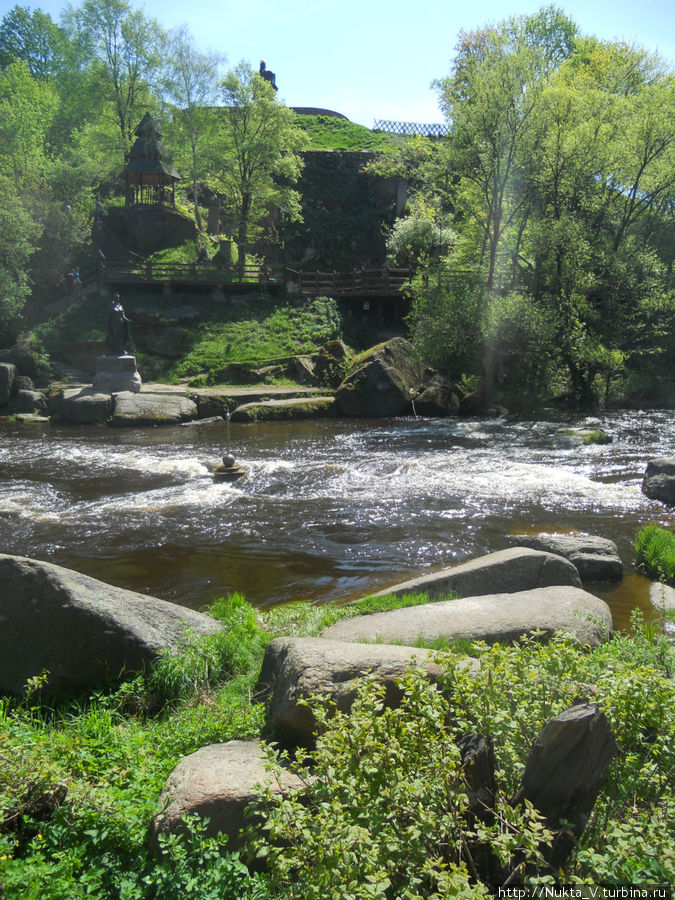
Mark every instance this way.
x=384 y=812
x=655 y=552
x=332 y=133
x=308 y=619
x=381 y=779
x=257 y=149
x=265 y=330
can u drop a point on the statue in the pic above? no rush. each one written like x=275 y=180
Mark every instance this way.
x=118 y=340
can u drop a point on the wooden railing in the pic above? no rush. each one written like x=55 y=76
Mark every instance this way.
x=152 y=272
x=358 y=282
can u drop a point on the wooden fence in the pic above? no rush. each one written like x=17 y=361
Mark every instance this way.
x=358 y=282
x=198 y=273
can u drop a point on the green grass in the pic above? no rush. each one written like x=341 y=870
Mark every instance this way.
x=265 y=330
x=655 y=552
x=331 y=133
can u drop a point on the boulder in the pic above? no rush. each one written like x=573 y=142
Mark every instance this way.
x=25 y=360
x=304 y=370
x=438 y=398
x=494 y=618
x=24 y=383
x=294 y=669
x=382 y=381
x=80 y=629
x=294 y=408
x=82 y=406
x=564 y=773
x=7 y=377
x=30 y=401
x=149 y=408
x=659 y=480
x=595 y=558
x=506 y=571
x=662 y=597
x=217 y=782
x=575 y=437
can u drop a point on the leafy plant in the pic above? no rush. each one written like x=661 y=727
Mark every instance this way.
x=655 y=552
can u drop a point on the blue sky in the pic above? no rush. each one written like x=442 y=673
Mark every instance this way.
x=373 y=59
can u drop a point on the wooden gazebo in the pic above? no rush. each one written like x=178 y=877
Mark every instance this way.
x=151 y=179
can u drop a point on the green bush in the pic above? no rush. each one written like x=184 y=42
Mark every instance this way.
x=384 y=810
x=655 y=552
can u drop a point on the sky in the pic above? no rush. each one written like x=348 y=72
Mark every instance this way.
x=375 y=59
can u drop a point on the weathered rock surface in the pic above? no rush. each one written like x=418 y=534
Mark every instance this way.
x=117 y=373
x=30 y=402
x=217 y=782
x=82 y=406
x=294 y=408
x=494 y=618
x=382 y=381
x=438 y=398
x=147 y=408
x=564 y=773
x=595 y=558
x=7 y=376
x=161 y=315
x=574 y=437
x=296 y=668
x=25 y=360
x=169 y=341
x=517 y=569
x=662 y=596
x=659 y=480
x=78 y=628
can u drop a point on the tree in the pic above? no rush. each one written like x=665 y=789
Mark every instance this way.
x=259 y=154
x=125 y=52
x=33 y=38
x=191 y=85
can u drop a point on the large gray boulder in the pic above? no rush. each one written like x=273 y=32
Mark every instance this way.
x=218 y=783
x=494 y=618
x=506 y=571
x=382 y=381
x=82 y=406
x=659 y=480
x=7 y=377
x=80 y=629
x=149 y=408
x=438 y=398
x=283 y=410
x=295 y=669
x=595 y=558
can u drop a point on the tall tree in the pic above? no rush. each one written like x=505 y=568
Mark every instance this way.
x=32 y=37
x=259 y=152
x=126 y=52
x=190 y=82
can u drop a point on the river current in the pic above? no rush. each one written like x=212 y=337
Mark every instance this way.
x=330 y=509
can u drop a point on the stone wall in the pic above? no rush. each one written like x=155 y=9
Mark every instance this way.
x=345 y=211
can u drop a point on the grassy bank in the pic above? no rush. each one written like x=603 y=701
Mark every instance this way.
x=257 y=328
x=79 y=781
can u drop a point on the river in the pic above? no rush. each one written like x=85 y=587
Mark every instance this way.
x=330 y=509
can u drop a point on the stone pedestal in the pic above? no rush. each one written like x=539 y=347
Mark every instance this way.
x=117 y=373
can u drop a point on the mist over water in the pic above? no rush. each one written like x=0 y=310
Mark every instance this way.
x=330 y=509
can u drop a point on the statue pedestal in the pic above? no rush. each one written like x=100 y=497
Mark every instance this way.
x=117 y=373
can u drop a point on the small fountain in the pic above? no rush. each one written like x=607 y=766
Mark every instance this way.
x=229 y=470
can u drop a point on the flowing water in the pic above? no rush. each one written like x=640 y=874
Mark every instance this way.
x=330 y=509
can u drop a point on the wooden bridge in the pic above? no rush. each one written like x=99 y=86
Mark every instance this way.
x=357 y=284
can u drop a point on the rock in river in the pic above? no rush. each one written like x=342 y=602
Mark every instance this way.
x=659 y=480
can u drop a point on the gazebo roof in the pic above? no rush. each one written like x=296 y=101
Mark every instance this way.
x=148 y=154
